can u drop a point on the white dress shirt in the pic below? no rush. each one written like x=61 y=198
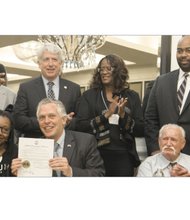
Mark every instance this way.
x=7 y=96
x=158 y=165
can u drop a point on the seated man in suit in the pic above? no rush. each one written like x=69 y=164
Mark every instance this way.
x=77 y=154
x=49 y=84
x=170 y=161
x=7 y=96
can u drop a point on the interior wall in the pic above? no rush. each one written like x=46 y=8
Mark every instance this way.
x=136 y=74
x=174 y=64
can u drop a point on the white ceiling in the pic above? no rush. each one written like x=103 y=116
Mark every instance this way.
x=135 y=50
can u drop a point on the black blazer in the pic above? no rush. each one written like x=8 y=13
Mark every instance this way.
x=162 y=109
x=30 y=94
x=81 y=151
x=91 y=105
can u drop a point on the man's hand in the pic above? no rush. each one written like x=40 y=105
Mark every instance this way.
x=61 y=163
x=178 y=170
x=69 y=117
x=15 y=165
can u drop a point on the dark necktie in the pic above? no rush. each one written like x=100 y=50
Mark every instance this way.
x=51 y=94
x=172 y=164
x=181 y=91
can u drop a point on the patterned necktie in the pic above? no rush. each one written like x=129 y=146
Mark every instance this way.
x=181 y=91
x=51 y=94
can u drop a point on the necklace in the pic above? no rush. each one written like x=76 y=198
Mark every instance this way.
x=104 y=100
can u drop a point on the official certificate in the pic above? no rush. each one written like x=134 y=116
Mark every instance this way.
x=35 y=154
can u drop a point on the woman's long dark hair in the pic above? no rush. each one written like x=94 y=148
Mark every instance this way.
x=10 y=140
x=120 y=73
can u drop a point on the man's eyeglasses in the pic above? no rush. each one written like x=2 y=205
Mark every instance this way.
x=4 y=130
x=107 y=69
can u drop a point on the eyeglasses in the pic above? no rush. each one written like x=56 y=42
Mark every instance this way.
x=4 y=130
x=107 y=69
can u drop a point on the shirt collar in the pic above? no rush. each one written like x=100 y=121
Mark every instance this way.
x=56 y=81
x=164 y=162
x=181 y=73
x=61 y=140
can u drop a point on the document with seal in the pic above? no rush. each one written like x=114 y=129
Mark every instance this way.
x=35 y=154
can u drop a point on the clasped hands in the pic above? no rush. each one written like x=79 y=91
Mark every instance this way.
x=178 y=170
x=119 y=103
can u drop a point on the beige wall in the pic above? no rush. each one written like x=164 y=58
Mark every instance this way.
x=136 y=74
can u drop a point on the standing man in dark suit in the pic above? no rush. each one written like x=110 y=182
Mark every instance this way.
x=50 y=62
x=163 y=105
x=77 y=154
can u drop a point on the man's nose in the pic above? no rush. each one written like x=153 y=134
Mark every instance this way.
x=169 y=142
x=50 y=62
x=46 y=120
x=184 y=53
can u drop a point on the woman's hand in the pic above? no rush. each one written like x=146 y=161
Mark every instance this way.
x=121 y=107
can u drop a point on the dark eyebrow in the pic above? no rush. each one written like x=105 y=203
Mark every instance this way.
x=180 y=48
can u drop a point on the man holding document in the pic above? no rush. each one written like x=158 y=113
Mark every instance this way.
x=75 y=153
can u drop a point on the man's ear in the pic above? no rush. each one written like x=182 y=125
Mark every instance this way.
x=183 y=145
x=64 y=120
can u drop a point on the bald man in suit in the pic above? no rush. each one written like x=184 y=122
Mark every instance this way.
x=30 y=93
x=162 y=107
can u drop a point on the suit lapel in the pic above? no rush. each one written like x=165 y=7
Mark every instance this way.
x=62 y=90
x=69 y=145
x=40 y=88
x=187 y=102
x=173 y=83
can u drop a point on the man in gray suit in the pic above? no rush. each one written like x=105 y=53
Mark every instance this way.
x=30 y=93
x=77 y=154
x=7 y=96
x=162 y=107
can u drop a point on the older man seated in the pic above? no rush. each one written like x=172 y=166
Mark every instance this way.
x=170 y=161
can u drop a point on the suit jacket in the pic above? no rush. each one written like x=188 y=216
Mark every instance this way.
x=162 y=109
x=31 y=93
x=7 y=97
x=81 y=151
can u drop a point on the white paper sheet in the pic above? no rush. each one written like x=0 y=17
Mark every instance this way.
x=35 y=154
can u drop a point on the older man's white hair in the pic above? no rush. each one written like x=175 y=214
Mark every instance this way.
x=60 y=107
x=167 y=126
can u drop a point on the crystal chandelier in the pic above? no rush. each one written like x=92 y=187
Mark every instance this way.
x=78 y=50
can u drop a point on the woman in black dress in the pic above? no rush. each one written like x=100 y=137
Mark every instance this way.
x=112 y=112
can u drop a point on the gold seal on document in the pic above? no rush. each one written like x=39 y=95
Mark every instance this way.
x=26 y=164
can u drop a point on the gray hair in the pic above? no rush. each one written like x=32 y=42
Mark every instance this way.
x=60 y=107
x=50 y=47
x=175 y=126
